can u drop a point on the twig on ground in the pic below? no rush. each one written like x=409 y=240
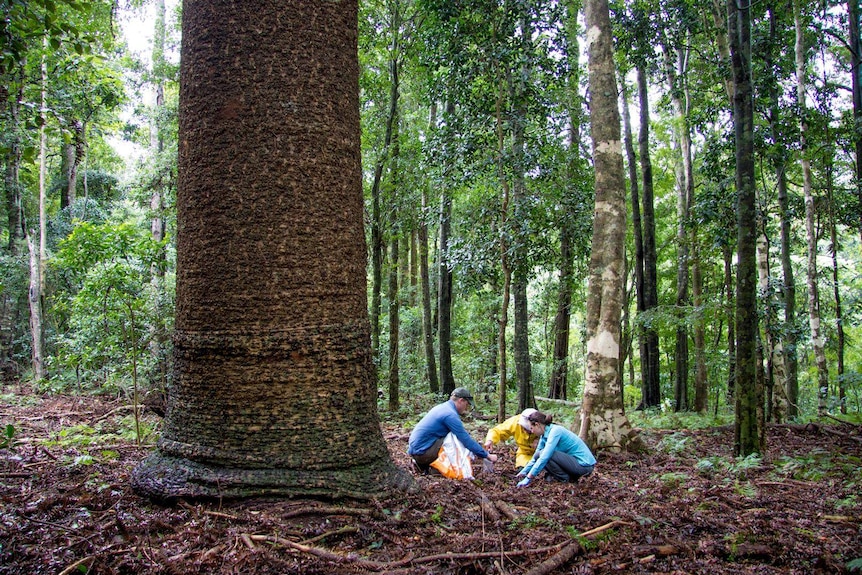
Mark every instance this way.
x=77 y=564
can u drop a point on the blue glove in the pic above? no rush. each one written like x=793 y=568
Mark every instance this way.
x=524 y=482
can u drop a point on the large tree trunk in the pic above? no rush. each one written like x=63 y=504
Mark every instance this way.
x=749 y=434
x=603 y=420
x=651 y=383
x=275 y=388
x=818 y=343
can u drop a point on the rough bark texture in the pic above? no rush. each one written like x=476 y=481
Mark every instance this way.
x=274 y=390
x=748 y=428
x=603 y=421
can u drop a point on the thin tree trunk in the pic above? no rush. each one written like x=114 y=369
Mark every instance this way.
x=157 y=203
x=685 y=194
x=836 y=291
x=701 y=377
x=505 y=270
x=786 y=385
x=730 y=310
x=638 y=235
x=603 y=420
x=377 y=223
x=768 y=344
x=35 y=299
x=855 y=42
x=444 y=294
x=651 y=383
x=394 y=247
x=818 y=343
x=427 y=320
x=520 y=265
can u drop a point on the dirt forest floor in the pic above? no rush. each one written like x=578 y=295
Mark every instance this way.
x=685 y=507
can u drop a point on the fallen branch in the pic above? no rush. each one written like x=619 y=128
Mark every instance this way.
x=342 y=531
x=604 y=527
x=326 y=511
x=564 y=556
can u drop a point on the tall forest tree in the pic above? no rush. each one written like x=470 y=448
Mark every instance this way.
x=749 y=434
x=603 y=420
x=272 y=342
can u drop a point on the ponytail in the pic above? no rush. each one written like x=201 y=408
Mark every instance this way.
x=539 y=417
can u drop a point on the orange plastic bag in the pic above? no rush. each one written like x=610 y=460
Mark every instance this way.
x=453 y=460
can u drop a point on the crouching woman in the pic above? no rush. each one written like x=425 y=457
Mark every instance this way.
x=561 y=453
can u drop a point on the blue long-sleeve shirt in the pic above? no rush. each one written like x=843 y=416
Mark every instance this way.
x=438 y=422
x=558 y=438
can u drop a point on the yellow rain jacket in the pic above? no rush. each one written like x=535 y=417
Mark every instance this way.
x=511 y=429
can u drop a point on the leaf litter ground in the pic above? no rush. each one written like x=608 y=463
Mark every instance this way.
x=684 y=507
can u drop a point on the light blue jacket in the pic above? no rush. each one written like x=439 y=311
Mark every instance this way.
x=439 y=422
x=558 y=438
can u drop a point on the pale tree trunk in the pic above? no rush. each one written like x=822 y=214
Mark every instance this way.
x=274 y=390
x=685 y=194
x=35 y=300
x=785 y=365
x=776 y=399
x=603 y=420
x=427 y=320
x=818 y=343
x=749 y=435
x=652 y=378
x=38 y=254
x=729 y=309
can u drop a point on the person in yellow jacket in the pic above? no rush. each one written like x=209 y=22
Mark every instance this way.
x=516 y=427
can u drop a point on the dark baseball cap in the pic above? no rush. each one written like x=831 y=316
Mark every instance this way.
x=464 y=393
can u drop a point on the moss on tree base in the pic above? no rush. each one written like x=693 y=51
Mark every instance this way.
x=168 y=478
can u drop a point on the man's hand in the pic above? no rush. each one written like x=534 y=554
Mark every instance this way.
x=488 y=445
x=492 y=458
